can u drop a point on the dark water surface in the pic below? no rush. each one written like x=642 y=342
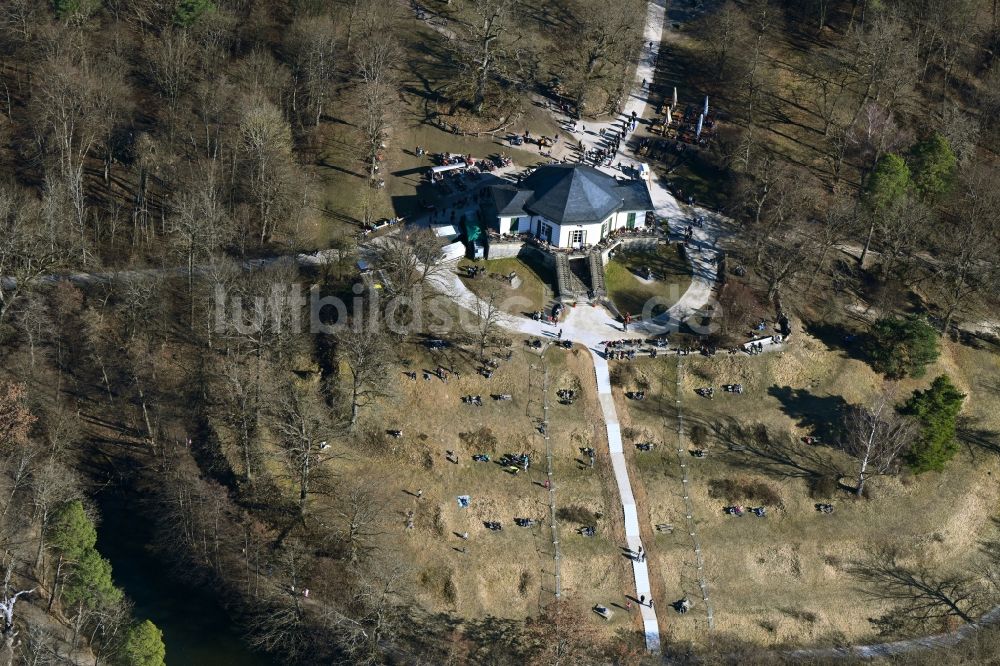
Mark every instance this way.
x=196 y=629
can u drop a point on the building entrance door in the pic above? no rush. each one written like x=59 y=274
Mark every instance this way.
x=577 y=237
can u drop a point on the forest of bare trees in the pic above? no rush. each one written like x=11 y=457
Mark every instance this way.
x=864 y=129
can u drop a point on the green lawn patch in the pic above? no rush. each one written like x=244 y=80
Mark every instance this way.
x=532 y=294
x=631 y=294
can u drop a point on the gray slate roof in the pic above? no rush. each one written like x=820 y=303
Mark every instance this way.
x=509 y=201
x=635 y=195
x=570 y=194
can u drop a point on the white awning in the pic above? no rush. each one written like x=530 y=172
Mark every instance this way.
x=448 y=167
x=446 y=230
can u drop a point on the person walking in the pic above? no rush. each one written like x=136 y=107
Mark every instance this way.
x=560 y=334
x=642 y=599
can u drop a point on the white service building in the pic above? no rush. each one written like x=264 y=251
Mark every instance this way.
x=570 y=205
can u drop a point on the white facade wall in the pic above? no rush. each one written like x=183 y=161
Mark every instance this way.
x=515 y=225
x=562 y=235
x=621 y=218
x=591 y=235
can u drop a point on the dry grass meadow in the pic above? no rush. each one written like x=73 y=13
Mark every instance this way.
x=783 y=578
x=506 y=574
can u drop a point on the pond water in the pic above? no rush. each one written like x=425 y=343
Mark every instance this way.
x=196 y=629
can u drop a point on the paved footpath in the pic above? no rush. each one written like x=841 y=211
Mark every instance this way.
x=640 y=571
x=590 y=326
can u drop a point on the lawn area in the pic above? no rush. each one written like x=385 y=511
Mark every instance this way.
x=787 y=578
x=631 y=294
x=505 y=574
x=533 y=294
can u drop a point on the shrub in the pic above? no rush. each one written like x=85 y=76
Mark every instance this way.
x=901 y=347
x=480 y=441
x=449 y=591
x=823 y=487
x=524 y=584
x=439 y=524
x=189 y=11
x=699 y=435
x=622 y=375
x=744 y=490
x=438 y=581
x=374 y=440
x=576 y=514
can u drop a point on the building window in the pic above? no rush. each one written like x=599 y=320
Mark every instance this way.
x=630 y=222
x=604 y=231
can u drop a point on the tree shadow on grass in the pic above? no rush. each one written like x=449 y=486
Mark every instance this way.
x=821 y=415
x=847 y=341
x=973 y=435
x=495 y=637
x=775 y=454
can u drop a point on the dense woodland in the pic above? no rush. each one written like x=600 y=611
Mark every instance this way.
x=864 y=129
x=184 y=134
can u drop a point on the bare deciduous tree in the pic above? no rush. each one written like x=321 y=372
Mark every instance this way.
x=726 y=35
x=488 y=317
x=266 y=144
x=313 y=42
x=965 y=264
x=304 y=428
x=412 y=261
x=200 y=224
x=242 y=409
x=366 y=354
x=377 y=89
x=171 y=61
x=481 y=49
x=601 y=38
x=16 y=419
x=73 y=106
x=360 y=512
x=876 y=435
x=27 y=251
x=8 y=599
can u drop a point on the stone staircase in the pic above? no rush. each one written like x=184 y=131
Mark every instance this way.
x=597 y=274
x=568 y=284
